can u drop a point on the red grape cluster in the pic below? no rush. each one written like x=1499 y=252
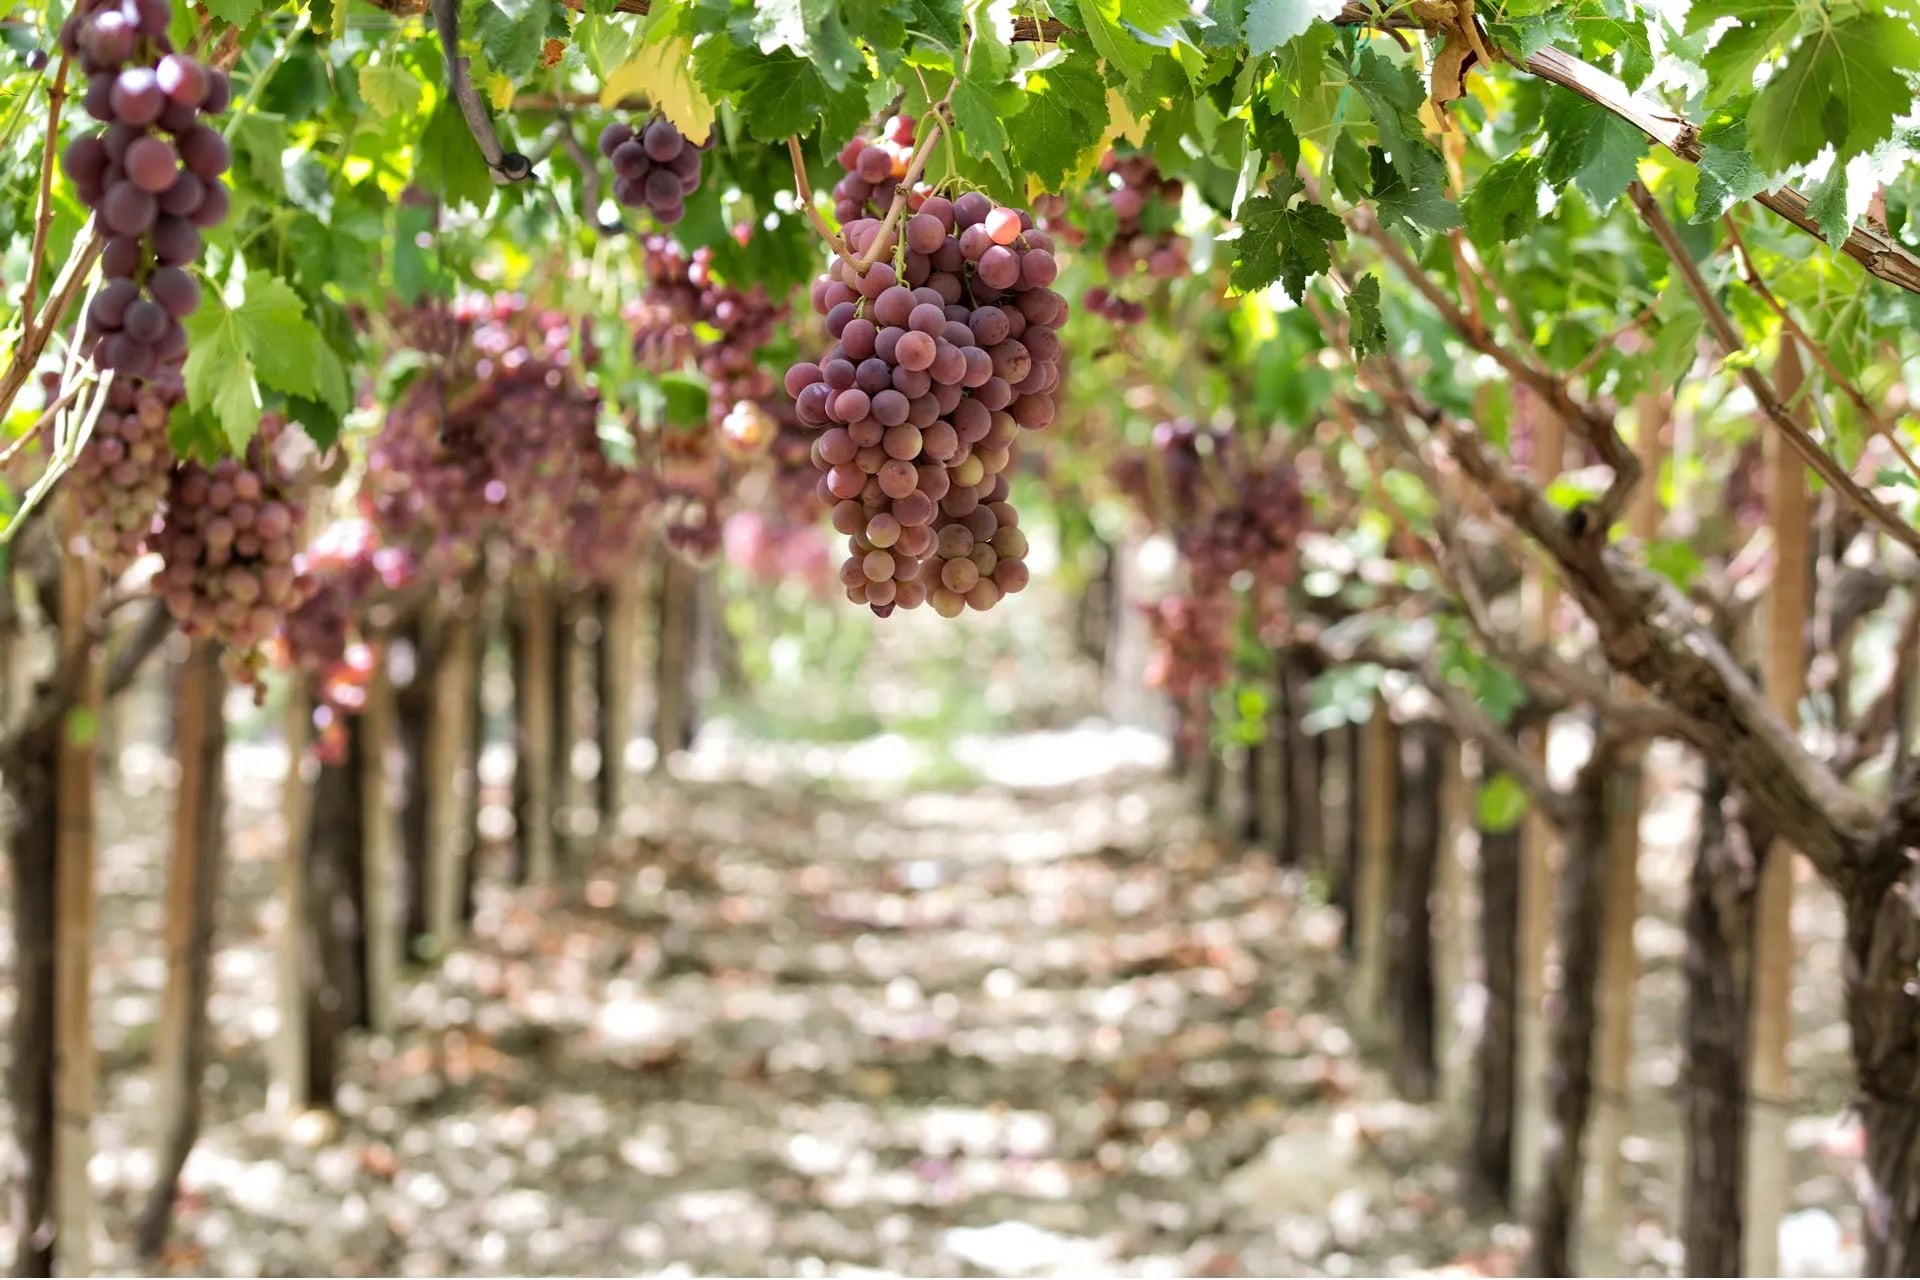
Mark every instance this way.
x=656 y=168
x=873 y=170
x=1145 y=241
x=663 y=316
x=1253 y=530
x=151 y=175
x=321 y=638
x=119 y=478
x=1193 y=641
x=227 y=545
x=498 y=438
x=944 y=355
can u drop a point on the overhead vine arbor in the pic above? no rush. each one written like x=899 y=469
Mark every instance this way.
x=360 y=333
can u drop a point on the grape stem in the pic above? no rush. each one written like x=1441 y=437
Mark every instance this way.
x=804 y=190
x=33 y=341
x=43 y=218
x=446 y=18
x=40 y=424
x=936 y=117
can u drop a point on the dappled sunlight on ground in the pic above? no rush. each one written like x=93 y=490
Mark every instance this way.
x=1039 y=1022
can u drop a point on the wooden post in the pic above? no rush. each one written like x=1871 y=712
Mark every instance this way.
x=617 y=669
x=1269 y=778
x=1373 y=816
x=1304 y=808
x=672 y=715
x=287 y=1095
x=1450 y=925
x=450 y=775
x=1539 y=597
x=1416 y=835
x=533 y=692
x=1784 y=675
x=1619 y=964
x=75 y=908
x=382 y=873
x=193 y=876
x=568 y=612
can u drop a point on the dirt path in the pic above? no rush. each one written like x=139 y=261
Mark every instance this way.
x=787 y=1029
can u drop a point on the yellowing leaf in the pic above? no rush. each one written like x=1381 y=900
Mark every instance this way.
x=662 y=68
x=500 y=91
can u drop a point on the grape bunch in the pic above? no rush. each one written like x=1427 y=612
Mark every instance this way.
x=1254 y=530
x=1144 y=204
x=947 y=348
x=151 y=176
x=655 y=168
x=493 y=440
x=662 y=318
x=119 y=478
x=1193 y=645
x=228 y=545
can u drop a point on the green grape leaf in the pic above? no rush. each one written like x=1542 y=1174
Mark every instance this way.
x=448 y=162
x=321 y=422
x=1268 y=24
x=1284 y=244
x=937 y=20
x=1764 y=26
x=510 y=34
x=238 y=12
x=1416 y=209
x=288 y=352
x=1116 y=27
x=1501 y=804
x=813 y=31
x=1505 y=204
x=1675 y=561
x=1366 y=327
x=1591 y=147
x=1844 y=83
x=391 y=89
x=1065 y=116
x=1728 y=173
x=219 y=372
x=1827 y=202
x=778 y=95
x=982 y=98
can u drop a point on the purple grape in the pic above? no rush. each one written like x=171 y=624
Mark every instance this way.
x=151 y=164
x=184 y=81
x=175 y=241
x=205 y=152
x=136 y=96
x=126 y=210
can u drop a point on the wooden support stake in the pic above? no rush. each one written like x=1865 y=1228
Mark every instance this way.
x=75 y=1069
x=193 y=886
x=1603 y=1230
x=381 y=912
x=450 y=774
x=673 y=687
x=618 y=669
x=1450 y=925
x=565 y=654
x=533 y=687
x=1539 y=597
x=1374 y=818
x=1784 y=676
x=287 y=1095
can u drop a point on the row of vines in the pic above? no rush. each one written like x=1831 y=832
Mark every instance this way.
x=1480 y=369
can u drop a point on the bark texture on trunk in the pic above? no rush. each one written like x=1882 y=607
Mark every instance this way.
x=416 y=715
x=1305 y=835
x=1490 y=1151
x=32 y=854
x=192 y=892
x=1580 y=922
x=1719 y=931
x=1415 y=1068
x=334 y=969
x=1883 y=1012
